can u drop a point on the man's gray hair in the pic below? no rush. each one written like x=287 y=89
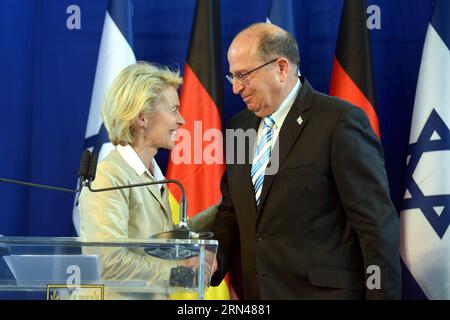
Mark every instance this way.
x=280 y=44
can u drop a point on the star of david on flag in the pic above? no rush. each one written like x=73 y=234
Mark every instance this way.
x=425 y=174
x=425 y=216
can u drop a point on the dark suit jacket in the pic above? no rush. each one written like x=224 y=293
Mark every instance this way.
x=323 y=218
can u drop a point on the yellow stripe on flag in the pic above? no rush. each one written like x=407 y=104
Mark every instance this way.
x=213 y=293
x=174 y=207
x=221 y=292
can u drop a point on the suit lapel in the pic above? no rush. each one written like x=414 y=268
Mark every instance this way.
x=243 y=171
x=165 y=202
x=295 y=121
x=144 y=178
x=154 y=190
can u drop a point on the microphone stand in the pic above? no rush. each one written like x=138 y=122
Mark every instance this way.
x=183 y=231
x=82 y=174
x=86 y=174
x=43 y=186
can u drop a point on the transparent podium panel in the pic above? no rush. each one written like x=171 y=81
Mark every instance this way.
x=84 y=269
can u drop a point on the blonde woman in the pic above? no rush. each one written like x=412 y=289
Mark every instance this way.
x=141 y=115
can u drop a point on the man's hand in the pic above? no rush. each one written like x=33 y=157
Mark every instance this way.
x=210 y=266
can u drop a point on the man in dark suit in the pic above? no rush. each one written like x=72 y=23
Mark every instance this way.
x=321 y=225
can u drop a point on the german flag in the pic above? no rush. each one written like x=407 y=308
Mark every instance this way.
x=201 y=107
x=352 y=78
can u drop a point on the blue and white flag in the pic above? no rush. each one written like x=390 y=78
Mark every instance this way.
x=281 y=14
x=116 y=53
x=425 y=215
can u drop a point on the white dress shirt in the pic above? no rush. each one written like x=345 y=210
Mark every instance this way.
x=279 y=115
x=135 y=162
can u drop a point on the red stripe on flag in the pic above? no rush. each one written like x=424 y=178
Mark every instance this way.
x=343 y=87
x=201 y=180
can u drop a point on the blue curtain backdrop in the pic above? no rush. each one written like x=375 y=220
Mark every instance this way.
x=47 y=73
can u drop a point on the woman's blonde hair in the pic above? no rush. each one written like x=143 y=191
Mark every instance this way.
x=135 y=90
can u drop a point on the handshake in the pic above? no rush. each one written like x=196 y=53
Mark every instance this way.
x=186 y=274
x=182 y=276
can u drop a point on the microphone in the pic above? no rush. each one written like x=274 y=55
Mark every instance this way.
x=92 y=167
x=181 y=232
x=86 y=174
x=82 y=174
x=84 y=164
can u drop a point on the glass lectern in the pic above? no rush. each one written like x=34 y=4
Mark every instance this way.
x=77 y=268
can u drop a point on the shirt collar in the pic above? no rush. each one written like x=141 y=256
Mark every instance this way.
x=282 y=111
x=131 y=157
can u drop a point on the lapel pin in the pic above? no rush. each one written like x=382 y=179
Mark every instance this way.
x=299 y=120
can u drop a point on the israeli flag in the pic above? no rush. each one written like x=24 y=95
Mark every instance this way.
x=116 y=53
x=425 y=215
x=281 y=14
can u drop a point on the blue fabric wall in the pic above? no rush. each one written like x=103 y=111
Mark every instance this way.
x=47 y=73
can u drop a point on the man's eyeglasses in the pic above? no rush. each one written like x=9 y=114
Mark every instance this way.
x=242 y=77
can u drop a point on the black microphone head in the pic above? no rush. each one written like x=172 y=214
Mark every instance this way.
x=93 y=166
x=84 y=164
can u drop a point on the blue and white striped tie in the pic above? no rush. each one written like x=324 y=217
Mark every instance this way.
x=262 y=156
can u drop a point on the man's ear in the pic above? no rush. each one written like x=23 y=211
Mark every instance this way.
x=283 y=68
